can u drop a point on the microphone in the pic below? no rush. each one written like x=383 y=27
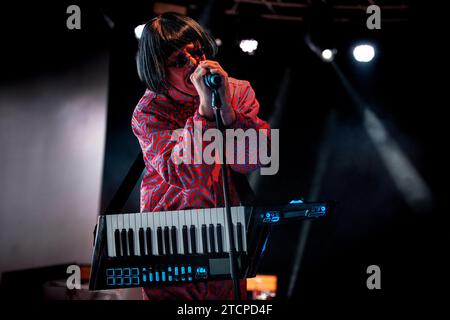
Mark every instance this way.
x=212 y=81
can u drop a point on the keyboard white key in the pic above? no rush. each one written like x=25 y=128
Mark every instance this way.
x=221 y=220
x=188 y=220
x=110 y=235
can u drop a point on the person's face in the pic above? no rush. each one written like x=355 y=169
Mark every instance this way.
x=181 y=64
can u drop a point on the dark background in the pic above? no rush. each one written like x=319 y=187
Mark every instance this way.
x=325 y=151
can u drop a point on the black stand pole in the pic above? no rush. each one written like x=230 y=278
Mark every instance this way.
x=217 y=105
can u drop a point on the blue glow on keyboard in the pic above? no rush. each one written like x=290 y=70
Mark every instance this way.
x=163 y=276
x=125 y=276
x=296 y=201
x=150 y=277
x=170 y=278
x=264 y=246
x=189 y=269
x=271 y=217
x=201 y=270
x=183 y=270
x=156 y=276
x=176 y=271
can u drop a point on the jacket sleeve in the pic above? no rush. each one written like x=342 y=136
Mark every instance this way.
x=160 y=136
x=247 y=151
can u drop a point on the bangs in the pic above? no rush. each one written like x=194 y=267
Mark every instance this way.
x=177 y=34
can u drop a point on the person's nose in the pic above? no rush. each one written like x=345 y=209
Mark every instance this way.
x=193 y=61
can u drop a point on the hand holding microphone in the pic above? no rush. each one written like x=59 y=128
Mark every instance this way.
x=207 y=76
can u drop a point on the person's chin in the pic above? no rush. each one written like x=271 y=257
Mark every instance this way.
x=190 y=89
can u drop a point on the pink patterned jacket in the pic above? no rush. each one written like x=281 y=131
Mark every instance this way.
x=168 y=185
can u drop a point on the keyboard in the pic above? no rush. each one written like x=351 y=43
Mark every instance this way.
x=173 y=232
x=175 y=247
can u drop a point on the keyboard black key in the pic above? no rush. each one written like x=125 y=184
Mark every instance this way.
x=167 y=240
x=123 y=236
x=173 y=235
x=219 y=238
x=131 y=242
x=141 y=241
x=212 y=239
x=160 y=241
x=204 y=239
x=117 y=243
x=193 y=240
x=185 y=240
x=148 y=238
x=239 y=237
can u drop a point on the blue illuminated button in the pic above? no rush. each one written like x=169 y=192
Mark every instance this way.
x=110 y=281
x=201 y=273
x=170 y=278
x=134 y=271
x=163 y=276
x=110 y=272
x=144 y=278
x=169 y=269
x=118 y=272
x=176 y=271
x=183 y=272
x=189 y=278
x=135 y=281
x=150 y=277
x=127 y=281
x=189 y=270
x=156 y=276
x=126 y=272
x=119 y=281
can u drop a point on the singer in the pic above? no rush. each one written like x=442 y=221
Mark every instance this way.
x=175 y=53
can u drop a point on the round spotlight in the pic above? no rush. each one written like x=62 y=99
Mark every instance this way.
x=328 y=55
x=138 y=31
x=218 y=42
x=248 y=45
x=364 y=53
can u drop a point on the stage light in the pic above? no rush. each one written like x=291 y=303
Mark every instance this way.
x=328 y=55
x=248 y=45
x=218 y=42
x=138 y=31
x=364 y=53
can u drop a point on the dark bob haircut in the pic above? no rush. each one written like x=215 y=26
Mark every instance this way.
x=162 y=36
